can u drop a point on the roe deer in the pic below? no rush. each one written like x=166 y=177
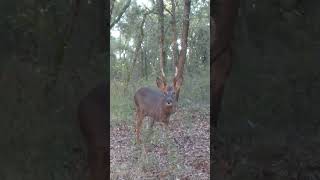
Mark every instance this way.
x=92 y=116
x=158 y=105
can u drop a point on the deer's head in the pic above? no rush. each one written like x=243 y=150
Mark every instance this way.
x=169 y=92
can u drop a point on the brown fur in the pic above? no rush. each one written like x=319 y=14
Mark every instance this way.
x=152 y=103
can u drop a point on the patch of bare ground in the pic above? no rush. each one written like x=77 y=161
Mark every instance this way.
x=182 y=152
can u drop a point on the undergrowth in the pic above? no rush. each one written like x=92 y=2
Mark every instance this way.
x=195 y=91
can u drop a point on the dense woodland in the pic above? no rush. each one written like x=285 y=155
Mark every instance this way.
x=51 y=55
x=149 y=38
x=135 y=50
x=269 y=125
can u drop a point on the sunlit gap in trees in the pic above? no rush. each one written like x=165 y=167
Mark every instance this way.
x=115 y=32
x=143 y=3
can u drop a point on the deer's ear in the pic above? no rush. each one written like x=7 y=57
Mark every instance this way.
x=161 y=84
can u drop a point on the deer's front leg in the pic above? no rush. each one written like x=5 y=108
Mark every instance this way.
x=139 y=121
x=150 y=131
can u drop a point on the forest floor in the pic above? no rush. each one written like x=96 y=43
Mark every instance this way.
x=183 y=152
x=265 y=154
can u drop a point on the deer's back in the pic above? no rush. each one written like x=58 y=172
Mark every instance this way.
x=147 y=99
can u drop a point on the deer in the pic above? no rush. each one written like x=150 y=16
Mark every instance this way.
x=92 y=117
x=159 y=104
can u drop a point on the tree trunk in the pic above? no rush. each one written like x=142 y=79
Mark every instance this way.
x=174 y=35
x=62 y=40
x=102 y=25
x=184 y=45
x=125 y=7
x=145 y=65
x=222 y=53
x=142 y=62
x=111 y=6
x=138 y=48
x=162 y=54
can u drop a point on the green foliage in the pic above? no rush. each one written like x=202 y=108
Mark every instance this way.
x=195 y=91
x=195 y=88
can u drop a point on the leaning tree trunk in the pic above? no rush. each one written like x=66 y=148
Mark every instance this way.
x=220 y=64
x=178 y=79
x=221 y=59
x=123 y=10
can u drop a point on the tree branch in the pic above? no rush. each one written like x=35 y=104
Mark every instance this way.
x=125 y=7
x=168 y=11
x=111 y=6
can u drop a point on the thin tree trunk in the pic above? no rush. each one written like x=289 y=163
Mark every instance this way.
x=174 y=35
x=145 y=65
x=138 y=48
x=142 y=63
x=125 y=7
x=161 y=23
x=184 y=45
x=111 y=7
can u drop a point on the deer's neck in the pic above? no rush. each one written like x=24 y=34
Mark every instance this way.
x=163 y=115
